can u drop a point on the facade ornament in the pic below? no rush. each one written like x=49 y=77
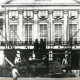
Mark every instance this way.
x=65 y=11
x=50 y=11
x=35 y=11
x=20 y=11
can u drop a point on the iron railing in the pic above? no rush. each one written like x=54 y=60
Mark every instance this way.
x=31 y=43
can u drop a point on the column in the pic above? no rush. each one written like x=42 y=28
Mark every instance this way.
x=51 y=30
x=78 y=36
x=35 y=27
x=65 y=26
x=20 y=27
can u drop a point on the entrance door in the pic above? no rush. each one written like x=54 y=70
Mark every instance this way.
x=75 y=60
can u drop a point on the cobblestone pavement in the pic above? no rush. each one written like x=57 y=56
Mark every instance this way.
x=6 y=78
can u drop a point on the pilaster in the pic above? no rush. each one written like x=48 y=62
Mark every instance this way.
x=51 y=30
x=20 y=27
x=65 y=26
x=35 y=27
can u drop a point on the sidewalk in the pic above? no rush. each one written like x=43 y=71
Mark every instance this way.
x=9 y=78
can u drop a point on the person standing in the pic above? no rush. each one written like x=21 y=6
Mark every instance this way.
x=15 y=73
x=17 y=60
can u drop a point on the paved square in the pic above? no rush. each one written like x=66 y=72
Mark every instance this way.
x=6 y=78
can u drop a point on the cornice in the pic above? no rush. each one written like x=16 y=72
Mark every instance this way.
x=41 y=4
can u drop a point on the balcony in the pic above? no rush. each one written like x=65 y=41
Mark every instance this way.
x=31 y=43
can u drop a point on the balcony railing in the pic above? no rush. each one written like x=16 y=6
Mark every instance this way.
x=31 y=43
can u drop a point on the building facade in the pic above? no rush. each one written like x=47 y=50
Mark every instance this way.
x=56 y=22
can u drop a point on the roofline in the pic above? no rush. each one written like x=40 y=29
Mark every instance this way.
x=41 y=4
x=6 y=1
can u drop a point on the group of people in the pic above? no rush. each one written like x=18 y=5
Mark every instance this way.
x=17 y=61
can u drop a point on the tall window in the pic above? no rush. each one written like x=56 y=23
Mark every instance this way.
x=43 y=31
x=50 y=56
x=28 y=32
x=58 y=32
x=13 y=32
x=72 y=32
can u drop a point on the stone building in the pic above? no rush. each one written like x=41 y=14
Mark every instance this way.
x=55 y=21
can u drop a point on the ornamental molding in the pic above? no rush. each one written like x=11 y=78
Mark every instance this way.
x=73 y=21
x=27 y=22
x=20 y=11
x=13 y=21
x=43 y=21
x=35 y=11
x=65 y=11
x=58 y=21
x=50 y=11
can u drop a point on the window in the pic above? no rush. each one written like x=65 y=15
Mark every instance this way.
x=50 y=56
x=43 y=14
x=33 y=56
x=72 y=32
x=13 y=14
x=73 y=14
x=58 y=32
x=43 y=31
x=28 y=32
x=58 y=14
x=13 y=32
x=28 y=14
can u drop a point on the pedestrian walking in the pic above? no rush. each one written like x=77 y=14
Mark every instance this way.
x=15 y=73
